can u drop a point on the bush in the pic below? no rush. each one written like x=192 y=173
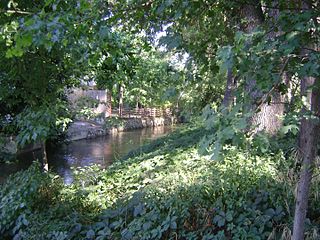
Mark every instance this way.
x=21 y=193
x=84 y=107
x=113 y=122
x=165 y=190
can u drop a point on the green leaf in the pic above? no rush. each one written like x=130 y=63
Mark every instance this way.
x=138 y=210
x=90 y=234
x=146 y=226
x=225 y=58
x=173 y=225
x=229 y=216
x=126 y=234
x=221 y=222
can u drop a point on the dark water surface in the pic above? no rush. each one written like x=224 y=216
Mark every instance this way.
x=102 y=151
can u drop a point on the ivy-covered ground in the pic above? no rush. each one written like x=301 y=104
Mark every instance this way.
x=164 y=190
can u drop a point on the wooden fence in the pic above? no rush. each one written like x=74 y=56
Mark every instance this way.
x=142 y=112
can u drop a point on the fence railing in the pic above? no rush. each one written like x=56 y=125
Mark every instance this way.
x=142 y=112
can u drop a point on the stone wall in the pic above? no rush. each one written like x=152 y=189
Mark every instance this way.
x=86 y=130
x=103 y=96
x=10 y=146
x=139 y=123
x=136 y=123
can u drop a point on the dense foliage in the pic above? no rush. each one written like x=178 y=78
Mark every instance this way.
x=252 y=67
x=163 y=191
x=50 y=46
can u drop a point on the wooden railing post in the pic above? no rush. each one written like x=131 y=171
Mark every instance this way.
x=142 y=112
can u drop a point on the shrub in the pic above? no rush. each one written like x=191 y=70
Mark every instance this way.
x=21 y=193
x=84 y=107
x=113 y=122
x=166 y=190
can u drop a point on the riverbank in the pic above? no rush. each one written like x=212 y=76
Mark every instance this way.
x=91 y=129
x=164 y=190
x=9 y=149
x=104 y=150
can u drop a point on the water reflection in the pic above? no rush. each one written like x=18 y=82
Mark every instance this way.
x=102 y=151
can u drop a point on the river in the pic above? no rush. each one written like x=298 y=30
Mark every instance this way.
x=81 y=153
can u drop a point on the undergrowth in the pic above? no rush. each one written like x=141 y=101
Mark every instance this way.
x=164 y=190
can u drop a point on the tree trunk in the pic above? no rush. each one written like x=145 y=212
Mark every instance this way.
x=268 y=115
x=253 y=15
x=309 y=130
x=308 y=146
x=45 y=163
x=137 y=102
x=121 y=89
x=109 y=103
x=229 y=92
x=268 y=118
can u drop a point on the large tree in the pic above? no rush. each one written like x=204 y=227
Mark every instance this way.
x=253 y=43
x=32 y=79
x=278 y=39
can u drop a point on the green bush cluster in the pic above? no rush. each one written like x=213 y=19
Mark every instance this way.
x=113 y=122
x=165 y=190
x=84 y=107
x=24 y=192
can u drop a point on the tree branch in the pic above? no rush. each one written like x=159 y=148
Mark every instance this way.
x=15 y=11
x=264 y=98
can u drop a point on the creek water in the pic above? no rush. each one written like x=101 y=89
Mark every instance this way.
x=86 y=152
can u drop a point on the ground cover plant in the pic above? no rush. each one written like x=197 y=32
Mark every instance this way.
x=165 y=190
x=253 y=66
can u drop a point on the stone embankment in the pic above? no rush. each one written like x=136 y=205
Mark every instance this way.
x=86 y=130
x=10 y=146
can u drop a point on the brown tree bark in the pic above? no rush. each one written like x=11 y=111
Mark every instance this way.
x=137 y=102
x=120 y=99
x=253 y=15
x=309 y=130
x=109 y=103
x=267 y=116
x=229 y=91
